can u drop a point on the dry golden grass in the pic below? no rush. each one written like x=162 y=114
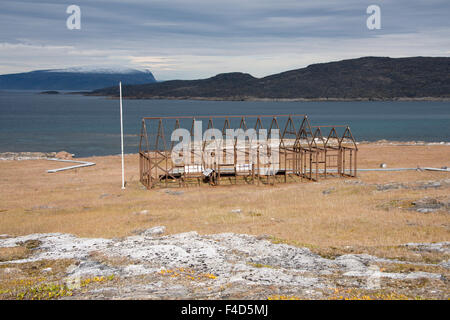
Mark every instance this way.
x=34 y=268
x=371 y=156
x=13 y=253
x=88 y=202
x=402 y=253
x=407 y=268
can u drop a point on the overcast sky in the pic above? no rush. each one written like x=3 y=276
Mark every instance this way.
x=187 y=39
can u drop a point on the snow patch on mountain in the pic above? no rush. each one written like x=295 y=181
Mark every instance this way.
x=100 y=69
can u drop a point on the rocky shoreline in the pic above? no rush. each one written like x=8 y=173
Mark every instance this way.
x=66 y=155
x=35 y=155
x=405 y=143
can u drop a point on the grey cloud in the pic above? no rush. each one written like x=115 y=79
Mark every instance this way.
x=220 y=29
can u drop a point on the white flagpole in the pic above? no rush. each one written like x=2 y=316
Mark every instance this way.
x=121 y=134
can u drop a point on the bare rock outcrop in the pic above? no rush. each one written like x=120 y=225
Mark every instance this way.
x=189 y=265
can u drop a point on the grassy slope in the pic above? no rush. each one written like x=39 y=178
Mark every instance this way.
x=88 y=202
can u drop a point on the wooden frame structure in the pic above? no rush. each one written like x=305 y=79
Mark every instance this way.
x=303 y=151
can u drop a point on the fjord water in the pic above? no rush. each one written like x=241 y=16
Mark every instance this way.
x=88 y=126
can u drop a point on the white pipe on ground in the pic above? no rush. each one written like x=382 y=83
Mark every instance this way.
x=392 y=169
x=81 y=165
x=437 y=169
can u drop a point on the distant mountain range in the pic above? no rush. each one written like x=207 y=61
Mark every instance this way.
x=83 y=78
x=377 y=78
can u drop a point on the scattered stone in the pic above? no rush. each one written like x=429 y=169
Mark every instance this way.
x=443 y=247
x=174 y=193
x=427 y=205
x=64 y=155
x=43 y=207
x=390 y=186
x=445 y=264
x=264 y=237
x=47 y=270
x=383 y=165
x=432 y=184
x=142 y=212
x=236 y=211
x=104 y=195
x=355 y=182
x=423 y=210
x=421 y=185
x=138 y=231
x=155 y=231
x=328 y=191
x=26 y=155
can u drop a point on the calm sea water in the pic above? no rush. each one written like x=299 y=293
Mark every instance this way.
x=89 y=126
